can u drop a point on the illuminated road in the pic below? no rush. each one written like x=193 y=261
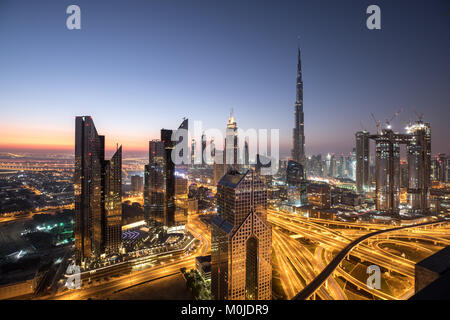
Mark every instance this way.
x=320 y=240
x=323 y=276
x=199 y=230
x=101 y=290
x=28 y=215
x=124 y=282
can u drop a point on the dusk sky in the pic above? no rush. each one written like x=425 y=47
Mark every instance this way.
x=138 y=66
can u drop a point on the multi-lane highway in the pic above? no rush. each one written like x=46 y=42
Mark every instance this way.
x=395 y=250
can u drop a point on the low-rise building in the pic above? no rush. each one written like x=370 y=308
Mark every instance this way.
x=203 y=266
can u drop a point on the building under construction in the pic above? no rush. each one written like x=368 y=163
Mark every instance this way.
x=387 y=173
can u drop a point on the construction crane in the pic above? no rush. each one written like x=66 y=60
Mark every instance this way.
x=377 y=123
x=388 y=121
x=419 y=116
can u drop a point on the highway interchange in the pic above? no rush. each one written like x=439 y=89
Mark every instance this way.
x=303 y=248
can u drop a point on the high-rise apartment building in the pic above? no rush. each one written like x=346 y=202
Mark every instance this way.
x=241 y=239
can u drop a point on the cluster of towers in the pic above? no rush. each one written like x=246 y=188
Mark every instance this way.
x=387 y=167
x=98 y=194
x=160 y=179
x=241 y=237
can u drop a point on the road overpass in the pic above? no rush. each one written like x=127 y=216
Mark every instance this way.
x=330 y=268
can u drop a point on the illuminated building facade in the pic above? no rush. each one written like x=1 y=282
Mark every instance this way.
x=388 y=175
x=319 y=195
x=419 y=166
x=241 y=239
x=298 y=152
x=113 y=203
x=98 y=188
x=231 y=155
x=227 y=159
x=440 y=168
x=387 y=172
x=155 y=184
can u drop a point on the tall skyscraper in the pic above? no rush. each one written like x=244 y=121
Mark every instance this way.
x=159 y=195
x=352 y=165
x=387 y=172
x=218 y=166
x=231 y=155
x=136 y=183
x=97 y=189
x=246 y=159
x=155 y=184
x=443 y=170
x=439 y=168
x=419 y=166
x=227 y=159
x=241 y=239
x=298 y=152
x=113 y=203
x=296 y=181
x=193 y=146
x=203 y=149
x=362 y=161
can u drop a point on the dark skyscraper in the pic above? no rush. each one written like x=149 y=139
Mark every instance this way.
x=442 y=167
x=136 y=183
x=241 y=239
x=203 y=149
x=387 y=172
x=154 y=191
x=298 y=152
x=159 y=193
x=296 y=181
x=113 y=203
x=97 y=185
x=362 y=161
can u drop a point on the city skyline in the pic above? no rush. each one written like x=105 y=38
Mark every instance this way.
x=195 y=151
x=152 y=74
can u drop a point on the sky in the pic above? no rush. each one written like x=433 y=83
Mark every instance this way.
x=137 y=66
